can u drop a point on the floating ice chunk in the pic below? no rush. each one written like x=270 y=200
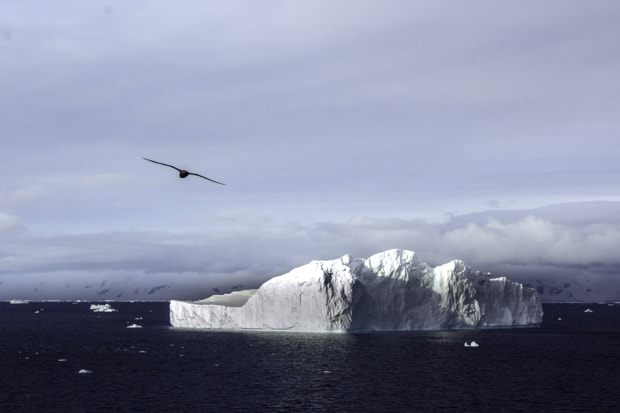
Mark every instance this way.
x=472 y=344
x=18 y=302
x=84 y=371
x=62 y=360
x=134 y=325
x=588 y=310
x=102 y=308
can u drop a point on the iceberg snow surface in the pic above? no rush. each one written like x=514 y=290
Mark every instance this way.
x=389 y=291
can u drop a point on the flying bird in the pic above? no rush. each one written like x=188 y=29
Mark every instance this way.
x=182 y=172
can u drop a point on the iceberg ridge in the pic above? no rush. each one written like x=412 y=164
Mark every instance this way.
x=390 y=291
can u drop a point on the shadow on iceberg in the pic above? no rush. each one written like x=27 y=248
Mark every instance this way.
x=390 y=291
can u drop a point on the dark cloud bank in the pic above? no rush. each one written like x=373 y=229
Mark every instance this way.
x=567 y=251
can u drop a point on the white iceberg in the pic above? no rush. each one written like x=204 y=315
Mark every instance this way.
x=18 y=301
x=389 y=291
x=588 y=310
x=84 y=371
x=134 y=325
x=472 y=344
x=232 y=299
x=102 y=308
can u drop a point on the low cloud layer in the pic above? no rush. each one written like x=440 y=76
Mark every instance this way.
x=525 y=245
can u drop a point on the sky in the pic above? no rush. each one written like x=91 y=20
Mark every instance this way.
x=346 y=127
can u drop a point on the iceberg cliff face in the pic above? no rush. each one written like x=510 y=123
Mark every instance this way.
x=392 y=290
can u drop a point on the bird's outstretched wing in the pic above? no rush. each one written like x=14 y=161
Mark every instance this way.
x=161 y=163
x=208 y=179
x=183 y=172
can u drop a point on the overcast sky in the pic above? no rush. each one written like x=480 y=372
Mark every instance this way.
x=338 y=127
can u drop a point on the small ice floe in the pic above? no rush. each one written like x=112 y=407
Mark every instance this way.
x=18 y=302
x=559 y=318
x=62 y=360
x=134 y=325
x=138 y=318
x=102 y=308
x=327 y=372
x=472 y=344
x=588 y=310
x=84 y=371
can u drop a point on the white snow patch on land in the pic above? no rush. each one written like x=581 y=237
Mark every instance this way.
x=392 y=290
x=102 y=308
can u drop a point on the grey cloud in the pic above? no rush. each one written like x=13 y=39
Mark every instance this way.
x=10 y=224
x=524 y=242
x=413 y=76
x=337 y=126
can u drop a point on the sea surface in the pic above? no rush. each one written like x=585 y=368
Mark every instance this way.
x=64 y=357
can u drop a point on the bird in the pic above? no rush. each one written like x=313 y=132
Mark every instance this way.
x=183 y=173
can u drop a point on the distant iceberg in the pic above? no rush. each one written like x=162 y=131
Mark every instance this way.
x=390 y=291
x=18 y=302
x=102 y=308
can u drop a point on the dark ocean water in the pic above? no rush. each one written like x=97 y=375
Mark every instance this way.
x=572 y=364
